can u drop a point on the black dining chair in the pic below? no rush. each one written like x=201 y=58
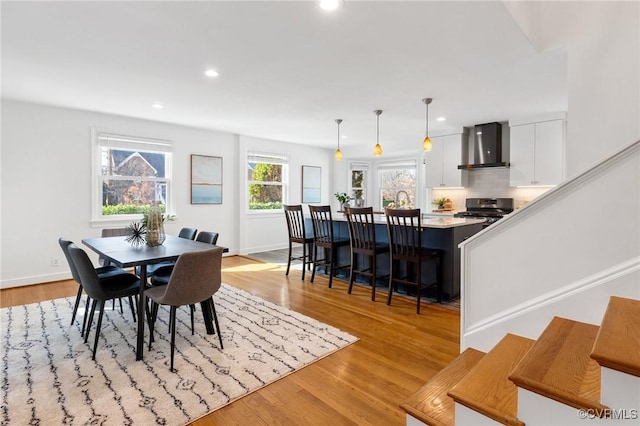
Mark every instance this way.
x=196 y=277
x=298 y=235
x=324 y=238
x=124 y=285
x=207 y=237
x=405 y=242
x=362 y=233
x=187 y=233
x=106 y=274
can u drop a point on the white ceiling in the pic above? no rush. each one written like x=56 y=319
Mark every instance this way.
x=287 y=69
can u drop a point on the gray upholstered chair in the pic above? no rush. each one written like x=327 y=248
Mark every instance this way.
x=196 y=277
x=122 y=285
x=188 y=233
x=106 y=274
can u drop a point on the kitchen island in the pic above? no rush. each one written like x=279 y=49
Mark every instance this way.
x=444 y=233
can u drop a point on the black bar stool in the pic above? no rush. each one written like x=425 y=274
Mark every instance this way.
x=405 y=241
x=362 y=232
x=297 y=234
x=323 y=238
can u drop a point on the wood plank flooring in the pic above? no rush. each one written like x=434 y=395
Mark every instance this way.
x=363 y=384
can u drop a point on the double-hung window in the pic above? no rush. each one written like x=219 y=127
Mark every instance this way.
x=266 y=181
x=129 y=174
x=397 y=184
x=358 y=183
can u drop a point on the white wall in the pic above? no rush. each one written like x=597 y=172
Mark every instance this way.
x=46 y=192
x=261 y=231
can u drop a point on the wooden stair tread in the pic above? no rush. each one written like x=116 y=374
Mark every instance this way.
x=431 y=404
x=559 y=365
x=617 y=344
x=486 y=388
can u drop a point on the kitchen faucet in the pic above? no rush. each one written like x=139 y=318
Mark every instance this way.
x=406 y=196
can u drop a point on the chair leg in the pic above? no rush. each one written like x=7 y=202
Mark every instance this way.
x=289 y=260
x=373 y=276
x=95 y=341
x=75 y=307
x=91 y=311
x=172 y=320
x=331 y=265
x=192 y=308
x=120 y=302
x=419 y=285
x=352 y=274
x=315 y=260
x=151 y=318
x=391 y=268
x=304 y=258
x=215 y=320
x=133 y=307
x=84 y=320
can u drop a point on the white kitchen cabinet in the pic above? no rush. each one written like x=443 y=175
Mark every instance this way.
x=537 y=153
x=442 y=162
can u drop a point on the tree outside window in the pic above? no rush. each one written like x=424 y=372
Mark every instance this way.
x=398 y=188
x=265 y=182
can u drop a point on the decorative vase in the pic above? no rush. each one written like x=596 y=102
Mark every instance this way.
x=155 y=227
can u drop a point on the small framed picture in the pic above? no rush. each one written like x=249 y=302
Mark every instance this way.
x=311 y=184
x=206 y=179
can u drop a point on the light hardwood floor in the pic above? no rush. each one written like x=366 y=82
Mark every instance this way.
x=363 y=384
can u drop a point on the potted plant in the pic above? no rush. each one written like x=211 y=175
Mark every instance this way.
x=343 y=198
x=440 y=202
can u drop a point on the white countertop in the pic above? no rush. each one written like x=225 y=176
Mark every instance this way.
x=440 y=222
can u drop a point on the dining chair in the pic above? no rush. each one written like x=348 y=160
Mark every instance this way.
x=324 y=238
x=207 y=237
x=161 y=275
x=188 y=233
x=196 y=277
x=362 y=233
x=298 y=235
x=405 y=242
x=106 y=274
x=123 y=285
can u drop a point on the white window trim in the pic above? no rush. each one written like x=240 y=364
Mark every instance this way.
x=275 y=158
x=118 y=139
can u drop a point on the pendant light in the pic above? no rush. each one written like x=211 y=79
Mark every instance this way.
x=377 y=150
x=426 y=143
x=338 y=154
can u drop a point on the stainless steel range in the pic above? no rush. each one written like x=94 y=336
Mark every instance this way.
x=491 y=209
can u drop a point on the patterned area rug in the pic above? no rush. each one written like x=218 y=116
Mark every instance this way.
x=48 y=377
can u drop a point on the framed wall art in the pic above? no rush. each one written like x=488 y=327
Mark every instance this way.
x=206 y=179
x=311 y=184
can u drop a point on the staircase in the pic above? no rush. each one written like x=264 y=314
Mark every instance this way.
x=574 y=373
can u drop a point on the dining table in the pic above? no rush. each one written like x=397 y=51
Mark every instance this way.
x=120 y=252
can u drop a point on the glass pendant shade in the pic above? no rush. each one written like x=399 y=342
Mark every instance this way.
x=426 y=144
x=377 y=150
x=338 y=153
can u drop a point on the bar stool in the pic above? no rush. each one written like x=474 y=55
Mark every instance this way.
x=362 y=233
x=405 y=241
x=297 y=234
x=323 y=238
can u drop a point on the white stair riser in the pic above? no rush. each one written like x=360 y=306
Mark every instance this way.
x=467 y=416
x=412 y=421
x=620 y=390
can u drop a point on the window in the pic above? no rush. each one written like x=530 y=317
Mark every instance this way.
x=398 y=184
x=358 y=183
x=266 y=177
x=130 y=173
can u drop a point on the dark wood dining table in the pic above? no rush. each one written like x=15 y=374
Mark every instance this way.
x=121 y=253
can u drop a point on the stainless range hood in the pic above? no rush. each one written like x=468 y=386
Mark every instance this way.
x=487 y=147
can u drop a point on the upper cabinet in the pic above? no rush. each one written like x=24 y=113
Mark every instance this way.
x=537 y=153
x=441 y=163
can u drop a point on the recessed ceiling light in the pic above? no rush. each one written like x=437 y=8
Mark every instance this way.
x=211 y=73
x=158 y=106
x=329 y=4
x=440 y=119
